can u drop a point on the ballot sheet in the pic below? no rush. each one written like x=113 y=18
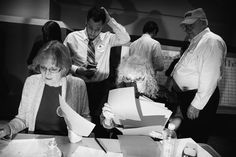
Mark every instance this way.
x=137 y=116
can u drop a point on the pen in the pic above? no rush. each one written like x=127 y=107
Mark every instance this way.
x=99 y=143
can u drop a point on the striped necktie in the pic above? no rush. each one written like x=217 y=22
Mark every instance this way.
x=91 y=53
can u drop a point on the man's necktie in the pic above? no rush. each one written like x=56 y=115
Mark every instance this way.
x=91 y=53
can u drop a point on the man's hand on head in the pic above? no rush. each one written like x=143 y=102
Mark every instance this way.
x=108 y=17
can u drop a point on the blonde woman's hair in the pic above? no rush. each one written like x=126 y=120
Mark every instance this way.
x=138 y=67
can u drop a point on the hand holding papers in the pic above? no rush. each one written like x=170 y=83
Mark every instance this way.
x=138 y=116
x=79 y=125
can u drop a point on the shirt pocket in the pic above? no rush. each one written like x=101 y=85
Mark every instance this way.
x=190 y=59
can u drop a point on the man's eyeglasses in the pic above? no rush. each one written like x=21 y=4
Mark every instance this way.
x=52 y=70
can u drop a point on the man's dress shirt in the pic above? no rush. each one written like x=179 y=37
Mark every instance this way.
x=200 y=67
x=148 y=48
x=77 y=42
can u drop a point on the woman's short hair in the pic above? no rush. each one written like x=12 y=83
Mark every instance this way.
x=59 y=53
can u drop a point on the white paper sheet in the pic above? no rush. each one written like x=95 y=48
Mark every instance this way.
x=150 y=108
x=123 y=103
x=78 y=124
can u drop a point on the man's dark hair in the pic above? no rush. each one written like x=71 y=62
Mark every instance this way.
x=150 y=27
x=97 y=14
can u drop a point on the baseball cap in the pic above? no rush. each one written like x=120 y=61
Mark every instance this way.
x=193 y=15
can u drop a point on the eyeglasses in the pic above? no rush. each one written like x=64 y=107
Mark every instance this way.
x=52 y=70
x=126 y=79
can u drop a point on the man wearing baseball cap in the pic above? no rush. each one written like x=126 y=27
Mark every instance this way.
x=196 y=76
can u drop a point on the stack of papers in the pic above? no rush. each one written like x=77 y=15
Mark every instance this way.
x=137 y=116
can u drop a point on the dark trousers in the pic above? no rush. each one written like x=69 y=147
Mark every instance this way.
x=97 y=95
x=199 y=128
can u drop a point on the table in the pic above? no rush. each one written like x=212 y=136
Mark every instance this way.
x=112 y=145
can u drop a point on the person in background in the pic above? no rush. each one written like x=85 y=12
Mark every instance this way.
x=90 y=49
x=51 y=30
x=39 y=106
x=143 y=60
x=196 y=75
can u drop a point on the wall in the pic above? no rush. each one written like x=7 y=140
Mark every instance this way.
x=25 y=8
x=134 y=13
x=130 y=13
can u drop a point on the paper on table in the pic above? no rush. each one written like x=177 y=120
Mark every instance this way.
x=78 y=124
x=25 y=148
x=123 y=103
x=83 y=151
x=138 y=146
x=181 y=144
x=141 y=130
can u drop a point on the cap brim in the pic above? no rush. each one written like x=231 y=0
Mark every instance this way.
x=188 y=21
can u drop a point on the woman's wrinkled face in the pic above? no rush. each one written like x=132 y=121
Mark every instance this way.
x=50 y=72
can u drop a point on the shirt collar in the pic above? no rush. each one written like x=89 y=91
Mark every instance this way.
x=146 y=35
x=199 y=36
x=85 y=36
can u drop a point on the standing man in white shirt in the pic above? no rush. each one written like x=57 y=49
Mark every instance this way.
x=90 y=49
x=197 y=74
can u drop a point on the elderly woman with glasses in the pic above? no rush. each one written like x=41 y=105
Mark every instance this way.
x=135 y=71
x=38 y=110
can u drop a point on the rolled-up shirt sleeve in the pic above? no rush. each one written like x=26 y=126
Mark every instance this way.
x=121 y=36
